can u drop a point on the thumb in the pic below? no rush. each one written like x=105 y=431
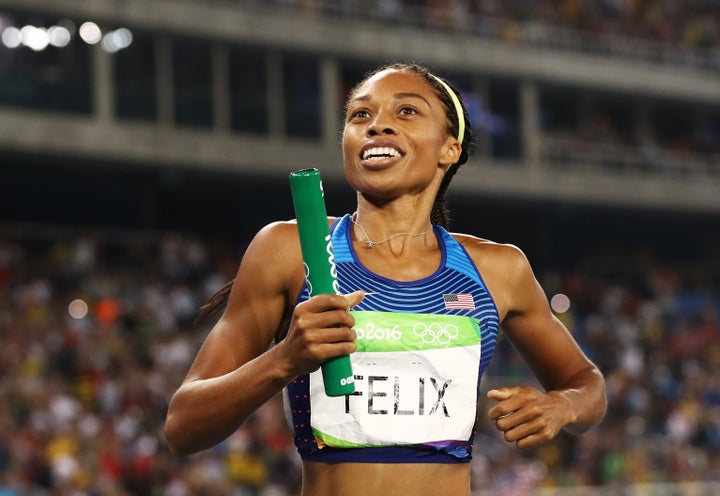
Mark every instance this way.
x=354 y=298
x=501 y=393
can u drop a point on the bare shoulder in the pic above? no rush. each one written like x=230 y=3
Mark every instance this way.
x=277 y=247
x=280 y=235
x=504 y=268
x=274 y=253
x=491 y=255
x=279 y=238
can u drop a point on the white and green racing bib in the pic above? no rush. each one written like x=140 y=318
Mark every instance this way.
x=416 y=380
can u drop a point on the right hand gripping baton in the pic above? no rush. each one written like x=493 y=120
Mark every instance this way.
x=320 y=270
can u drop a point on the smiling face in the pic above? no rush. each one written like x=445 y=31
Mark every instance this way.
x=395 y=139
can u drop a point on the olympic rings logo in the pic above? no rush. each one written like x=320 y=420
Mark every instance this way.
x=436 y=333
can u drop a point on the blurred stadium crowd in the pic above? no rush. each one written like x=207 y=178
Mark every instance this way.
x=606 y=26
x=98 y=329
x=98 y=332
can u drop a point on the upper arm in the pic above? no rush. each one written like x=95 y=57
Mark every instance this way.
x=539 y=336
x=259 y=304
x=543 y=341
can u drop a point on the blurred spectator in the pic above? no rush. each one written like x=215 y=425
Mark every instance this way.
x=83 y=399
x=693 y=24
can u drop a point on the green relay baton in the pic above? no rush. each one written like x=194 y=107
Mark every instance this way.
x=320 y=270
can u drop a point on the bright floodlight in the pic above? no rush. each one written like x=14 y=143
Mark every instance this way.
x=11 y=37
x=123 y=38
x=59 y=36
x=117 y=40
x=35 y=38
x=90 y=33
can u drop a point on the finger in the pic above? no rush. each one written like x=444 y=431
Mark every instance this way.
x=354 y=298
x=521 y=422
x=334 y=335
x=502 y=394
x=505 y=407
x=332 y=350
x=336 y=318
x=324 y=302
x=330 y=323
x=515 y=434
x=534 y=440
x=522 y=436
x=326 y=327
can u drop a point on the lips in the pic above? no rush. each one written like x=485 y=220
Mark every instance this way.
x=377 y=153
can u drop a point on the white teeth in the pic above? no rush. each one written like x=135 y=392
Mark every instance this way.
x=380 y=152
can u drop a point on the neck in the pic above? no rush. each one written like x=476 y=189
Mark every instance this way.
x=371 y=240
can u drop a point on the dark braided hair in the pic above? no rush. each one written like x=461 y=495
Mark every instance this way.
x=440 y=214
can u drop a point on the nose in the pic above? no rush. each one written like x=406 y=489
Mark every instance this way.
x=380 y=125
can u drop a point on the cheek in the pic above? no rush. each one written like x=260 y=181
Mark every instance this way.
x=431 y=135
x=347 y=155
x=432 y=146
x=349 y=139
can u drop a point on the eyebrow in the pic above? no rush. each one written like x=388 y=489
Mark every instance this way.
x=397 y=96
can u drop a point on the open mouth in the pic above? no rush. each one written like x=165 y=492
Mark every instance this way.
x=380 y=153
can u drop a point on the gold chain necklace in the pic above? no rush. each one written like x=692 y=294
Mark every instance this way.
x=369 y=243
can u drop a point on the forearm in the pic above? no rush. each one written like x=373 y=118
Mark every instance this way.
x=586 y=400
x=204 y=412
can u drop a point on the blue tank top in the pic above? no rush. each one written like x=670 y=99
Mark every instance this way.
x=456 y=288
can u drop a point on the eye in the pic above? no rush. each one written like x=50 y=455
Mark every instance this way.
x=358 y=114
x=408 y=110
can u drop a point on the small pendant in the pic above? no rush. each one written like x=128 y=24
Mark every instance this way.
x=369 y=244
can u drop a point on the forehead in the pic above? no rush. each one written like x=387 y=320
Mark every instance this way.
x=394 y=81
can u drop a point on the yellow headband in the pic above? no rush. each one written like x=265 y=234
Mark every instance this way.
x=458 y=108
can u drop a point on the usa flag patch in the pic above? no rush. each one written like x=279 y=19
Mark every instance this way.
x=462 y=301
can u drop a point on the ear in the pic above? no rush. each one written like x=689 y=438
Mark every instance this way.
x=450 y=152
